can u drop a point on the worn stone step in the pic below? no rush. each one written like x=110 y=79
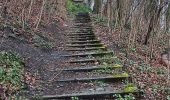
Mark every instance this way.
x=79 y=33
x=87 y=49
x=80 y=28
x=98 y=95
x=81 y=25
x=82 y=36
x=82 y=39
x=117 y=77
x=91 y=68
x=90 y=54
x=92 y=60
x=87 y=24
x=84 y=42
x=85 y=45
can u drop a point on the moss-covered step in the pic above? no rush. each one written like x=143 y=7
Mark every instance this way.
x=84 y=26
x=82 y=31
x=87 y=49
x=85 y=45
x=82 y=36
x=91 y=68
x=91 y=60
x=79 y=33
x=84 y=42
x=82 y=39
x=112 y=78
x=96 y=93
x=103 y=53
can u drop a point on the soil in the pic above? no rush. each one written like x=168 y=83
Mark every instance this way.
x=38 y=60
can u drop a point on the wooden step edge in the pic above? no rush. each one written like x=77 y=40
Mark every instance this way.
x=107 y=78
x=85 y=26
x=88 y=36
x=91 y=68
x=87 y=49
x=83 y=61
x=81 y=45
x=90 y=96
x=79 y=33
x=88 y=54
x=82 y=34
x=89 y=60
x=83 y=38
x=91 y=41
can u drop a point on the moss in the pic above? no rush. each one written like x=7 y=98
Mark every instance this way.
x=121 y=75
x=104 y=46
x=117 y=66
x=130 y=88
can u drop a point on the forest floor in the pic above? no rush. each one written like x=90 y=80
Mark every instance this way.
x=150 y=75
x=41 y=52
x=42 y=59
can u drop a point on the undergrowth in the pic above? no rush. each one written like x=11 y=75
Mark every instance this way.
x=76 y=8
x=11 y=73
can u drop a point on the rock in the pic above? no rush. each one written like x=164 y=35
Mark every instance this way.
x=165 y=56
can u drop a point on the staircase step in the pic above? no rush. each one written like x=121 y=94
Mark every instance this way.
x=80 y=32
x=84 y=42
x=87 y=49
x=82 y=36
x=85 y=45
x=84 y=26
x=89 y=60
x=91 y=68
x=98 y=95
x=82 y=39
x=121 y=76
x=90 y=53
x=71 y=34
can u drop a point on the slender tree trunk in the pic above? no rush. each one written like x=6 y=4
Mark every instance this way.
x=40 y=15
x=30 y=8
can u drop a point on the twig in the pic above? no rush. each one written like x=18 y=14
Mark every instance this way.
x=52 y=79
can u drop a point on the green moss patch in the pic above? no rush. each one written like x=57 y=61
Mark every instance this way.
x=129 y=88
x=117 y=66
x=121 y=75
